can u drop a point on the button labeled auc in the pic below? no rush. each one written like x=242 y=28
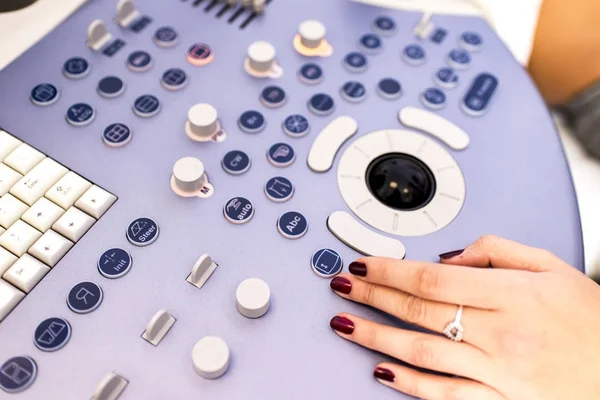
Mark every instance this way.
x=479 y=96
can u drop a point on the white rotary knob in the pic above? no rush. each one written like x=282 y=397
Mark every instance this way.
x=189 y=175
x=262 y=56
x=312 y=33
x=202 y=123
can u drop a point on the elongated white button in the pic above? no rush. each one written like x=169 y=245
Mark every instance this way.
x=25 y=273
x=9 y=298
x=6 y=260
x=95 y=201
x=73 y=224
x=210 y=356
x=23 y=158
x=126 y=13
x=8 y=178
x=362 y=239
x=50 y=248
x=35 y=183
x=11 y=210
x=7 y=144
x=110 y=387
x=158 y=327
x=19 y=238
x=98 y=35
x=201 y=271
x=331 y=138
x=42 y=214
x=68 y=189
x=436 y=126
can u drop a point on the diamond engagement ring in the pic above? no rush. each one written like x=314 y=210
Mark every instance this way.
x=455 y=330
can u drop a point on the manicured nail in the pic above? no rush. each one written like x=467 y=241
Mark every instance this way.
x=384 y=374
x=358 y=268
x=451 y=254
x=342 y=324
x=341 y=285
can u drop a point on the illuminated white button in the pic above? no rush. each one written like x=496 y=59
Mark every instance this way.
x=6 y=260
x=19 y=238
x=37 y=181
x=312 y=33
x=9 y=298
x=7 y=144
x=42 y=214
x=68 y=189
x=253 y=298
x=25 y=273
x=189 y=175
x=435 y=125
x=362 y=239
x=158 y=327
x=50 y=248
x=202 y=123
x=110 y=387
x=73 y=224
x=95 y=201
x=326 y=145
x=98 y=35
x=11 y=210
x=8 y=178
x=261 y=55
x=210 y=356
x=23 y=158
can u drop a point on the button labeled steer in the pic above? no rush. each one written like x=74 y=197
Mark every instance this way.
x=142 y=232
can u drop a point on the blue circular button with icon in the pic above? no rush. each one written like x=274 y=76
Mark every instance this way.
x=139 y=61
x=296 y=126
x=236 y=162
x=389 y=88
x=111 y=86
x=52 y=334
x=273 y=96
x=434 y=98
x=17 y=374
x=80 y=114
x=142 y=231
x=165 y=36
x=85 y=297
x=459 y=58
x=281 y=155
x=76 y=67
x=353 y=91
x=321 y=104
x=116 y=135
x=251 y=121
x=114 y=263
x=310 y=73
x=44 y=94
x=292 y=225
x=355 y=62
x=174 y=79
x=370 y=43
x=414 y=54
x=279 y=189
x=446 y=77
x=238 y=210
x=146 y=106
x=326 y=263
x=471 y=41
x=384 y=25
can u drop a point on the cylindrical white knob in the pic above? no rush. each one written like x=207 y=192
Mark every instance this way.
x=210 y=356
x=203 y=120
x=189 y=174
x=261 y=55
x=312 y=33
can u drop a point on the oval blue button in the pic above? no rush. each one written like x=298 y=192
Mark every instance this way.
x=139 y=61
x=142 y=231
x=471 y=41
x=85 y=297
x=479 y=96
x=52 y=334
x=296 y=126
x=165 y=36
x=433 y=98
x=446 y=77
x=389 y=88
x=273 y=96
x=355 y=62
x=353 y=91
x=321 y=104
x=279 y=189
x=110 y=86
x=76 y=67
x=146 y=106
x=44 y=94
x=370 y=43
x=459 y=58
x=174 y=79
x=238 y=210
x=292 y=225
x=384 y=25
x=414 y=54
x=281 y=155
x=310 y=74
x=236 y=162
x=116 y=135
x=326 y=263
x=80 y=114
x=17 y=374
x=251 y=121
x=114 y=263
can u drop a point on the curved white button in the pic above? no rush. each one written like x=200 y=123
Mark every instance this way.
x=158 y=327
x=201 y=271
x=330 y=139
x=362 y=239
x=126 y=13
x=435 y=125
x=110 y=388
x=98 y=35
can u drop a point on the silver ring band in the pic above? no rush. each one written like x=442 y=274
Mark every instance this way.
x=455 y=330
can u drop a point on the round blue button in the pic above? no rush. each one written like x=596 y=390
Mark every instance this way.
x=174 y=79
x=370 y=43
x=116 y=135
x=17 y=374
x=281 y=155
x=44 y=94
x=414 y=54
x=353 y=91
x=389 y=88
x=114 y=263
x=199 y=54
x=326 y=263
x=459 y=58
x=471 y=41
x=139 y=61
x=433 y=98
x=80 y=114
x=142 y=231
x=52 y=334
x=310 y=74
x=273 y=96
x=236 y=162
x=111 y=86
x=279 y=189
x=384 y=25
x=85 y=297
x=355 y=62
x=446 y=77
x=76 y=67
x=146 y=106
x=296 y=126
x=238 y=210
x=165 y=37
x=292 y=225
x=251 y=121
x=321 y=104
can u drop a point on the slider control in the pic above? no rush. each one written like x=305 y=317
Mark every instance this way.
x=201 y=271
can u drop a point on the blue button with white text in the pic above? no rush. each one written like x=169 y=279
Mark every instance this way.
x=370 y=43
x=446 y=77
x=80 y=114
x=114 y=263
x=165 y=36
x=326 y=263
x=414 y=54
x=238 y=210
x=384 y=25
x=279 y=189
x=273 y=96
x=321 y=104
x=353 y=91
x=139 y=61
x=479 y=96
x=355 y=62
x=52 y=334
x=236 y=162
x=292 y=225
x=85 y=297
x=142 y=231
x=433 y=98
x=459 y=58
x=310 y=74
x=471 y=41
x=251 y=121
x=17 y=374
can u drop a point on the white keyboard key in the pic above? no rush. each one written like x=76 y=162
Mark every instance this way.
x=25 y=273
x=8 y=178
x=50 y=248
x=34 y=184
x=68 y=189
x=73 y=224
x=330 y=140
x=42 y=214
x=6 y=260
x=19 y=238
x=11 y=210
x=435 y=125
x=2 y=230
x=8 y=143
x=24 y=158
x=9 y=298
x=95 y=201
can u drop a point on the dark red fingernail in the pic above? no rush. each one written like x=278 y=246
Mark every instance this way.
x=341 y=285
x=384 y=374
x=342 y=324
x=358 y=268
x=451 y=254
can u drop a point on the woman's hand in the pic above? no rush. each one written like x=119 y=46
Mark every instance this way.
x=531 y=323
